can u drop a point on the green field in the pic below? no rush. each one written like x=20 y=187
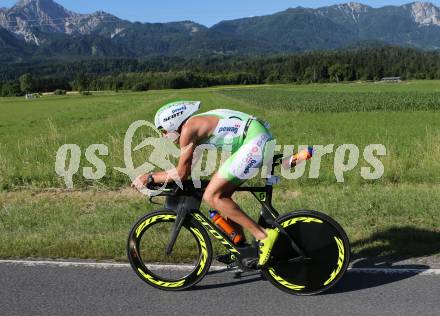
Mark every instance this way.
x=396 y=215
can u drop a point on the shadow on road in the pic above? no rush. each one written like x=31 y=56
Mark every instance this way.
x=397 y=248
x=244 y=279
x=388 y=248
x=353 y=281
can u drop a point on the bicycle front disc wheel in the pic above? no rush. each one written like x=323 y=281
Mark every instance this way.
x=188 y=262
x=325 y=246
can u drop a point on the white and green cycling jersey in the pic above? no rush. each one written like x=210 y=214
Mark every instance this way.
x=245 y=137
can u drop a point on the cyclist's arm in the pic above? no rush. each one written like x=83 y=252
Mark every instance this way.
x=193 y=131
x=188 y=142
x=196 y=129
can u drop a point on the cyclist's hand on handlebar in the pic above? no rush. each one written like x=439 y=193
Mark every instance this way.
x=141 y=181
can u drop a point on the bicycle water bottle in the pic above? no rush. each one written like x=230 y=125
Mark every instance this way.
x=303 y=155
x=226 y=227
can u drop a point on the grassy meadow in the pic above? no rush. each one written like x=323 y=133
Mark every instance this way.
x=395 y=216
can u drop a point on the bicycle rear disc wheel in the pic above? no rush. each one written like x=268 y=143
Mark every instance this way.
x=188 y=262
x=323 y=242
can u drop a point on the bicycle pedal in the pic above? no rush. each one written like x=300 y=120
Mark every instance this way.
x=227 y=258
x=250 y=263
x=232 y=265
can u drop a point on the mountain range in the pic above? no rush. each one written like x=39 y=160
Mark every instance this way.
x=44 y=29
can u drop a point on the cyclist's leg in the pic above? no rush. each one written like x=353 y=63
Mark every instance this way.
x=218 y=196
x=239 y=167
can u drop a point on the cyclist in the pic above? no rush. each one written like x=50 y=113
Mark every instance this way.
x=244 y=134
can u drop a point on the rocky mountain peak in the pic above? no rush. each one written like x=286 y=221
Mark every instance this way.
x=47 y=7
x=33 y=20
x=23 y=3
x=425 y=13
x=350 y=12
x=357 y=7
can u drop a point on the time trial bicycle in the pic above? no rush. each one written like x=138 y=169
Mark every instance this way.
x=311 y=254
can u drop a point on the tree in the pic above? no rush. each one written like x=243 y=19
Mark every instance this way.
x=26 y=83
x=10 y=89
x=82 y=82
x=309 y=75
x=141 y=86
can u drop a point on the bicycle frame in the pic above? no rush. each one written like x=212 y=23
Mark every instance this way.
x=189 y=205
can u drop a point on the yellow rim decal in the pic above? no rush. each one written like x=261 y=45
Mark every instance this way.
x=161 y=283
x=285 y=283
x=150 y=221
x=340 y=260
x=204 y=249
x=199 y=236
x=295 y=220
x=217 y=236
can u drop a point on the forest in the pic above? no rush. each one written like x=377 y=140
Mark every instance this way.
x=368 y=63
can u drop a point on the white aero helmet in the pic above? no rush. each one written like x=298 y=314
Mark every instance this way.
x=172 y=115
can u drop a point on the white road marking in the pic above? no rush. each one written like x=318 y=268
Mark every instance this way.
x=110 y=265
x=396 y=271
x=100 y=265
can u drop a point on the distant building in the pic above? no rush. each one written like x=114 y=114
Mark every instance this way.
x=31 y=96
x=391 y=79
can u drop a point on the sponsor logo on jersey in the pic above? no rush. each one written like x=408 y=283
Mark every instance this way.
x=250 y=162
x=249 y=166
x=232 y=129
x=262 y=140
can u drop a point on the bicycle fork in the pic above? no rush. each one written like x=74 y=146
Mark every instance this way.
x=183 y=206
x=180 y=219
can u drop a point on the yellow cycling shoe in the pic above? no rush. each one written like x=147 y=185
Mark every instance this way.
x=266 y=245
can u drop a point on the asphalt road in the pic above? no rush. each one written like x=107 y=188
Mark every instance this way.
x=49 y=290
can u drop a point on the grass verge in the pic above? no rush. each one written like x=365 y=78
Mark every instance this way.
x=398 y=221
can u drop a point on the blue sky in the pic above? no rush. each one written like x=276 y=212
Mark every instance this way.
x=206 y=12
